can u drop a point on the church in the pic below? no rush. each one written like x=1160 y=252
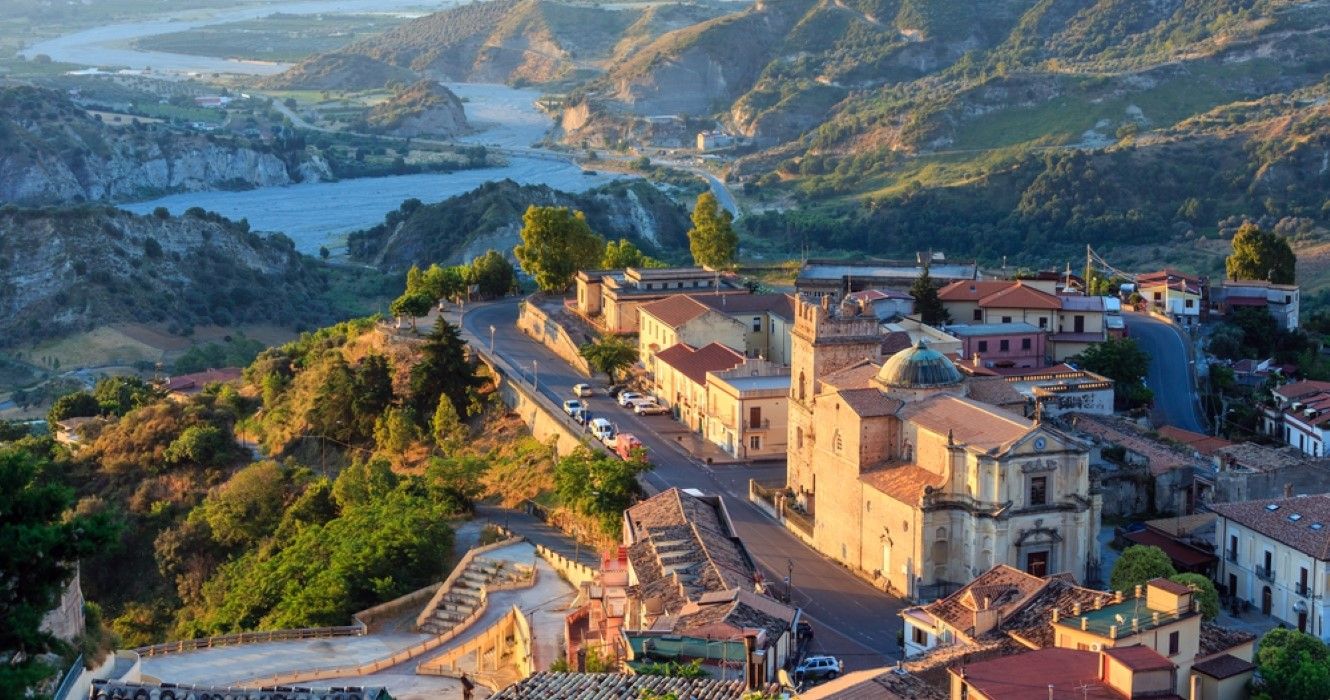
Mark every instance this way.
x=914 y=477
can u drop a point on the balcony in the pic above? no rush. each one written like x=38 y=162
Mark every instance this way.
x=1231 y=555
x=1265 y=574
x=1302 y=589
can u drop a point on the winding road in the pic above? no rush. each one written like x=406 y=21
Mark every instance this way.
x=1171 y=376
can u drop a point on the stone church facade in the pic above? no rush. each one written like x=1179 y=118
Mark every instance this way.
x=914 y=482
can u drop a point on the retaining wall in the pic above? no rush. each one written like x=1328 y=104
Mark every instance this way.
x=533 y=321
x=576 y=573
x=545 y=421
x=428 y=611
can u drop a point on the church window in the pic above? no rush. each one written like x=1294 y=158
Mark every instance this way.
x=799 y=437
x=1038 y=491
x=801 y=385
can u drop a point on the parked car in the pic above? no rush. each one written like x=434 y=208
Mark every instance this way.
x=574 y=408
x=823 y=667
x=649 y=408
x=603 y=430
x=625 y=443
x=626 y=398
x=582 y=390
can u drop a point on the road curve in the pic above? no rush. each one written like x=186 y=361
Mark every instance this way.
x=1171 y=376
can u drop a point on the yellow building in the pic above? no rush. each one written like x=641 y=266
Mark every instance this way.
x=680 y=378
x=746 y=408
x=611 y=298
x=682 y=319
x=914 y=484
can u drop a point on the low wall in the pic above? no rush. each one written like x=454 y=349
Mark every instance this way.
x=544 y=420
x=184 y=645
x=533 y=321
x=443 y=588
x=576 y=573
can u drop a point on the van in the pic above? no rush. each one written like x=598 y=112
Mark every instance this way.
x=624 y=444
x=602 y=430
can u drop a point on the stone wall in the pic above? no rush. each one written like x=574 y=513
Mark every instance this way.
x=545 y=421
x=533 y=321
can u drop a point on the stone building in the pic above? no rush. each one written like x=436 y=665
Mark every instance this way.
x=912 y=482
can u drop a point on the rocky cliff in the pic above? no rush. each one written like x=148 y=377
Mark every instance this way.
x=424 y=109
x=54 y=152
x=65 y=270
x=462 y=227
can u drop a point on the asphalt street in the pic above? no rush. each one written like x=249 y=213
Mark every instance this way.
x=1171 y=376
x=851 y=619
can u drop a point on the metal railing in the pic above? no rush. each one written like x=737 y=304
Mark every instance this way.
x=1265 y=574
x=71 y=677
x=1231 y=555
x=184 y=645
x=1302 y=589
x=801 y=521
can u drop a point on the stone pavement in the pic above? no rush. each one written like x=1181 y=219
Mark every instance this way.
x=227 y=665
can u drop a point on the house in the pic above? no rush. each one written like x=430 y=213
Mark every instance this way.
x=907 y=332
x=1276 y=557
x=885 y=304
x=710 y=140
x=182 y=387
x=680 y=318
x=1282 y=301
x=1200 y=442
x=74 y=430
x=1007 y=345
x=1180 y=297
x=1060 y=389
x=765 y=317
x=1116 y=673
x=610 y=298
x=999 y=301
x=1300 y=416
x=909 y=480
x=836 y=278
x=746 y=409
x=1247 y=471
x=1156 y=474
x=1082 y=322
x=679 y=378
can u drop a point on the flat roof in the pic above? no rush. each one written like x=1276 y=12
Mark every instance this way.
x=975 y=329
x=778 y=381
x=1101 y=622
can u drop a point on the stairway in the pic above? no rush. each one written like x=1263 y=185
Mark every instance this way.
x=467 y=592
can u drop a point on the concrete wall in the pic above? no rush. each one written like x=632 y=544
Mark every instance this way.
x=576 y=573
x=533 y=321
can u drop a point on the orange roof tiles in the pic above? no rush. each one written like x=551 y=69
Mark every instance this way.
x=869 y=402
x=1301 y=522
x=1139 y=657
x=969 y=422
x=1019 y=296
x=695 y=363
x=676 y=310
x=972 y=290
x=1205 y=444
x=905 y=483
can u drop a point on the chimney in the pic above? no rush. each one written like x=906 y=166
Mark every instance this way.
x=988 y=602
x=1085 y=623
x=1055 y=614
x=1076 y=609
x=976 y=359
x=1117 y=596
x=751 y=681
x=1288 y=490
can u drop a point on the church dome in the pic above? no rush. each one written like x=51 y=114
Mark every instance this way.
x=919 y=367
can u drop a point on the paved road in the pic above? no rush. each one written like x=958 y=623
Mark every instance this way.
x=851 y=618
x=1170 y=377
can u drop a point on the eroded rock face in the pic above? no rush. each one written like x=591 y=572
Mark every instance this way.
x=425 y=109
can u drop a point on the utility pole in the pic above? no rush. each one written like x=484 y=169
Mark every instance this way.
x=789 y=581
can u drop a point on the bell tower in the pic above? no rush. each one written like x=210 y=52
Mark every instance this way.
x=822 y=341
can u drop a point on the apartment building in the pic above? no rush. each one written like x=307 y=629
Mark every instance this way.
x=611 y=298
x=1177 y=295
x=679 y=379
x=1282 y=301
x=680 y=318
x=747 y=409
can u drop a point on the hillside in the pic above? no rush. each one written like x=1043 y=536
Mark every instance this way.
x=55 y=152
x=498 y=41
x=72 y=269
x=462 y=227
x=424 y=109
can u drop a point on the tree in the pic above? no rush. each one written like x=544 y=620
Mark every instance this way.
x=1123 y=361
x=556 y=243
x=79 y=404
x=492 y=274
x=396 y=430
x=412 y=305
x=1258 y=255
x=363 y=482
x=1292 y=666
x=712 y=239
x=596 y=485
x=610 y=354
x=622 y=253
x=120 y=395
x=443 y=370
x=927 y=303
x=42 y=545
x=1205 y=594
x=444 y=282
x=447 y=427
x=1139 y=563
x=204 y=445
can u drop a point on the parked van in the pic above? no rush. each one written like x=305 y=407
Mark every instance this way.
x=624 y=444
x=603 y=430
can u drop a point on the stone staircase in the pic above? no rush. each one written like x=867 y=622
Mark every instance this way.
x=467 y=592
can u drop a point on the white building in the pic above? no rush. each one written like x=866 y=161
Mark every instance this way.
x=1300 y=416
x=1282 y=301
x=1276 y=556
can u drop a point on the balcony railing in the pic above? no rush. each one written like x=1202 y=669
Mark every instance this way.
x=1265 y=574
x=1231 y=555
x=1302 y=589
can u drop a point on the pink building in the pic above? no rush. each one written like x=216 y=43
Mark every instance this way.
x=1003 y=345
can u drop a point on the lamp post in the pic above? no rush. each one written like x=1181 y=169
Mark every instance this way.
x=491 y=340
x=789 y=581
x=535 y=375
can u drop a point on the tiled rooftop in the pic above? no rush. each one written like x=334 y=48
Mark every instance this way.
x=1139 y=657
x=856 y=376
x=995 y=391
x=1031 y=622
x=781 y=305
x=1301 y=522
x=969 y=422
x=905 y=483
x=1160 y=456
x=1019 y=296
x=1223 y=666
x=1053 y=673
x=869 y=402
x=675 y=310
x=695 y=363
x=972 y=290
x=1261 y=458
x=1216 y=639
x=1003 y=587
x=548 y=685
x=1205 y=444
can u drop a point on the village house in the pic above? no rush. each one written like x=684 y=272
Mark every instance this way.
x=1276 y=558
x=766 y=319
x=1180 y=297
x=1070 y=322
x=1300 y=416
x=683 y=319
x=1002 y=345
x=885 y=304
x=610 y=298
x=185 y=386
x=912 y=482
x=999 y=301
x=1082 y=322
x=1282 y=301
x=747 y=409
x=679 y=378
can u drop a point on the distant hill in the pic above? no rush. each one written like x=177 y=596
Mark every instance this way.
x=66 y=270
x=463 y=227
x=424 y=109
x=55 y=152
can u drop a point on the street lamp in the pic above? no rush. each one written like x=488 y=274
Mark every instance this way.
x=789 y=581
x=491 y=340
x=535 y=374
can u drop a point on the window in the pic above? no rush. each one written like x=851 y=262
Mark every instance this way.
x=755 y=442
x=799 y=438
x=1043 y=322
x=918 y=635
x=983 y=346
x=1232 y=549
x=1078 y=323
x=755 y=417
x=1038 y=491
x=1006 y=319
x=648 y=285
x=1158 y=296
x=1025 y=343
x=978 y=315
x=1004 y=345
x=1190 y=302
x=836 y=441
x=757 y=324
x=1173 y=643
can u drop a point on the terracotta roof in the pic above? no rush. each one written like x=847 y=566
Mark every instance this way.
x=894 y=342
x=1078 y=302
x=905 y=483
x=1190 y=557
x=1032 y=622
x=856 y=376
x=1215 y=639
x=548 y=685
x=1303 y=388
x=969 y=422
x=675 y=310
x=695 y=363
x=1160 y=457
x=740 y=610
x=1263 y=458
x=1301 y=522
x=1173 y=587
x=1072 y=674
x=1223 y=666
x=995 y=391
x=972 y=290
x=1004 y=587
x=869 y=402
x=1019 y=296
x=779 y=304
x=1205 y=444
x=1139 y=657
x=195 y=382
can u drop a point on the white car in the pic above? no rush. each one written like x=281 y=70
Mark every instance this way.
x=649 y=407
x=627 y=398
x=574 y=408
x=581 y=390
x=602 y=430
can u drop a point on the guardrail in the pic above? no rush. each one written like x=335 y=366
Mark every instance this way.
x=71 y=678
x=184 y=645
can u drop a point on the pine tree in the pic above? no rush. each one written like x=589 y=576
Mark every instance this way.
x=712 y=239
x=927 y=303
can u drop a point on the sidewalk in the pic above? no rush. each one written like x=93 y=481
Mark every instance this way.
x=532 y=528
